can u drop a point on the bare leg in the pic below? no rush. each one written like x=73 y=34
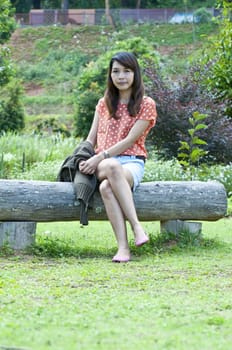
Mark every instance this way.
x=117 y=221
x=120 y=181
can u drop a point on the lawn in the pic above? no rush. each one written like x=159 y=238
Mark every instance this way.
x=69 y=295
x=65 y=293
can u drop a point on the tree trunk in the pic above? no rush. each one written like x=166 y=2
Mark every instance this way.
x=42 y=201
x=138 y=4
x=64 y=4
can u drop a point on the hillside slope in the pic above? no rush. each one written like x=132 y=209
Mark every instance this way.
x=50 y=58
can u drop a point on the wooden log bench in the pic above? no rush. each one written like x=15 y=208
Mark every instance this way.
x=173 y=203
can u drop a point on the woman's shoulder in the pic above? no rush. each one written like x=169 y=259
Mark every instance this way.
x=101 y=108
x=147 y=100
x=101 y=105
x=101 y=101
x=148 y=109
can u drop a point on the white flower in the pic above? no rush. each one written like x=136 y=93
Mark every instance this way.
x=8 y=157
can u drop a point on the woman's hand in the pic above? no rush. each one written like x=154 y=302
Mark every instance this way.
x=89 y=166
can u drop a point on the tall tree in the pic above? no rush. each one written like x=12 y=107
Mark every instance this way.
x=65 y=4
x=7 y=26
x=220 y=78
x=107 y=12
x=138 y=4
x=11 y=111
x=21 y=6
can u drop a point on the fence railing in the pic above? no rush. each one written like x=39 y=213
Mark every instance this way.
x=97 y=16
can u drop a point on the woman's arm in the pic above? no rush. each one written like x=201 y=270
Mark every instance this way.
x=92 y=136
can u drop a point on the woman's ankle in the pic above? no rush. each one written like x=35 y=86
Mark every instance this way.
x=122 y=255
x=139 y=234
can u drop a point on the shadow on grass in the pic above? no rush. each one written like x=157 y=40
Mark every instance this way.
x=55 y=247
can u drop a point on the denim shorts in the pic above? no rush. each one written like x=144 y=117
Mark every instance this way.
x=134 y=165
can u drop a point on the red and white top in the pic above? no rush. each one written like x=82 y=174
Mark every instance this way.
x=111 y=131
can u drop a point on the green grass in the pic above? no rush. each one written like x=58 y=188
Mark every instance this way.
x=42 y=41
x=169 y=34
x=171 y=298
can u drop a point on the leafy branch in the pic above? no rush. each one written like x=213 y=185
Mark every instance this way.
x=190 y=153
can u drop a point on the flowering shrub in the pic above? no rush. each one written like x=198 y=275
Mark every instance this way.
x=176 y=104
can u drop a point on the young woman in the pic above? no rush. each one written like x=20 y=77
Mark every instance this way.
x=121 y=123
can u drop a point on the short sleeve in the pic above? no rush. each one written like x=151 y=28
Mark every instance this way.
x=148 y=111
x=100 y=108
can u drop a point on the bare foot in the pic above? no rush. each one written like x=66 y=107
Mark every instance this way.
x=123 y=255
x=140 y=236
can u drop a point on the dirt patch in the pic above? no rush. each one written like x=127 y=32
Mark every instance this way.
x=21 y=48
x=32 y=89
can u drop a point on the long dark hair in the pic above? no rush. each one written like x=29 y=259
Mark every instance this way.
x=127 y=60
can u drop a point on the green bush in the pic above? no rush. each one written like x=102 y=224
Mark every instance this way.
x=219 y=59
x=7 y=26
x=177 y=103
x=202 y=15
x=7 y=22
x=92 y=81
x=32 y=156
x=41 y=171
x=11 y=108
x=6 y=67
x=55 y=66
x=171 y=170
x=84 y=109
x=51 y=126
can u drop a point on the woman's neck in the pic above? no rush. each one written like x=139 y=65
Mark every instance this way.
x=124 y=97
x=124 y=101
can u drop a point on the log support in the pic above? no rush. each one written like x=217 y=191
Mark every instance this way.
x=17 y=235
x=179 y=226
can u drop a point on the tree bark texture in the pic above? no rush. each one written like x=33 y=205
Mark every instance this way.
x=42 y=201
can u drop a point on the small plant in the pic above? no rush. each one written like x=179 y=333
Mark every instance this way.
x=191 y=153
x=169 y=241
x=6 y=249
x=51 y=127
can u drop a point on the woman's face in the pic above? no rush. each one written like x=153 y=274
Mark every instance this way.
x=122 y=77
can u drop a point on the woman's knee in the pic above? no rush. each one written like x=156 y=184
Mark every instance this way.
x=105 y=188
x=114 y=168
x=109 y=168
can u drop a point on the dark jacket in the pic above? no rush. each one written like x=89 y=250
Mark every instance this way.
x=84 y=185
